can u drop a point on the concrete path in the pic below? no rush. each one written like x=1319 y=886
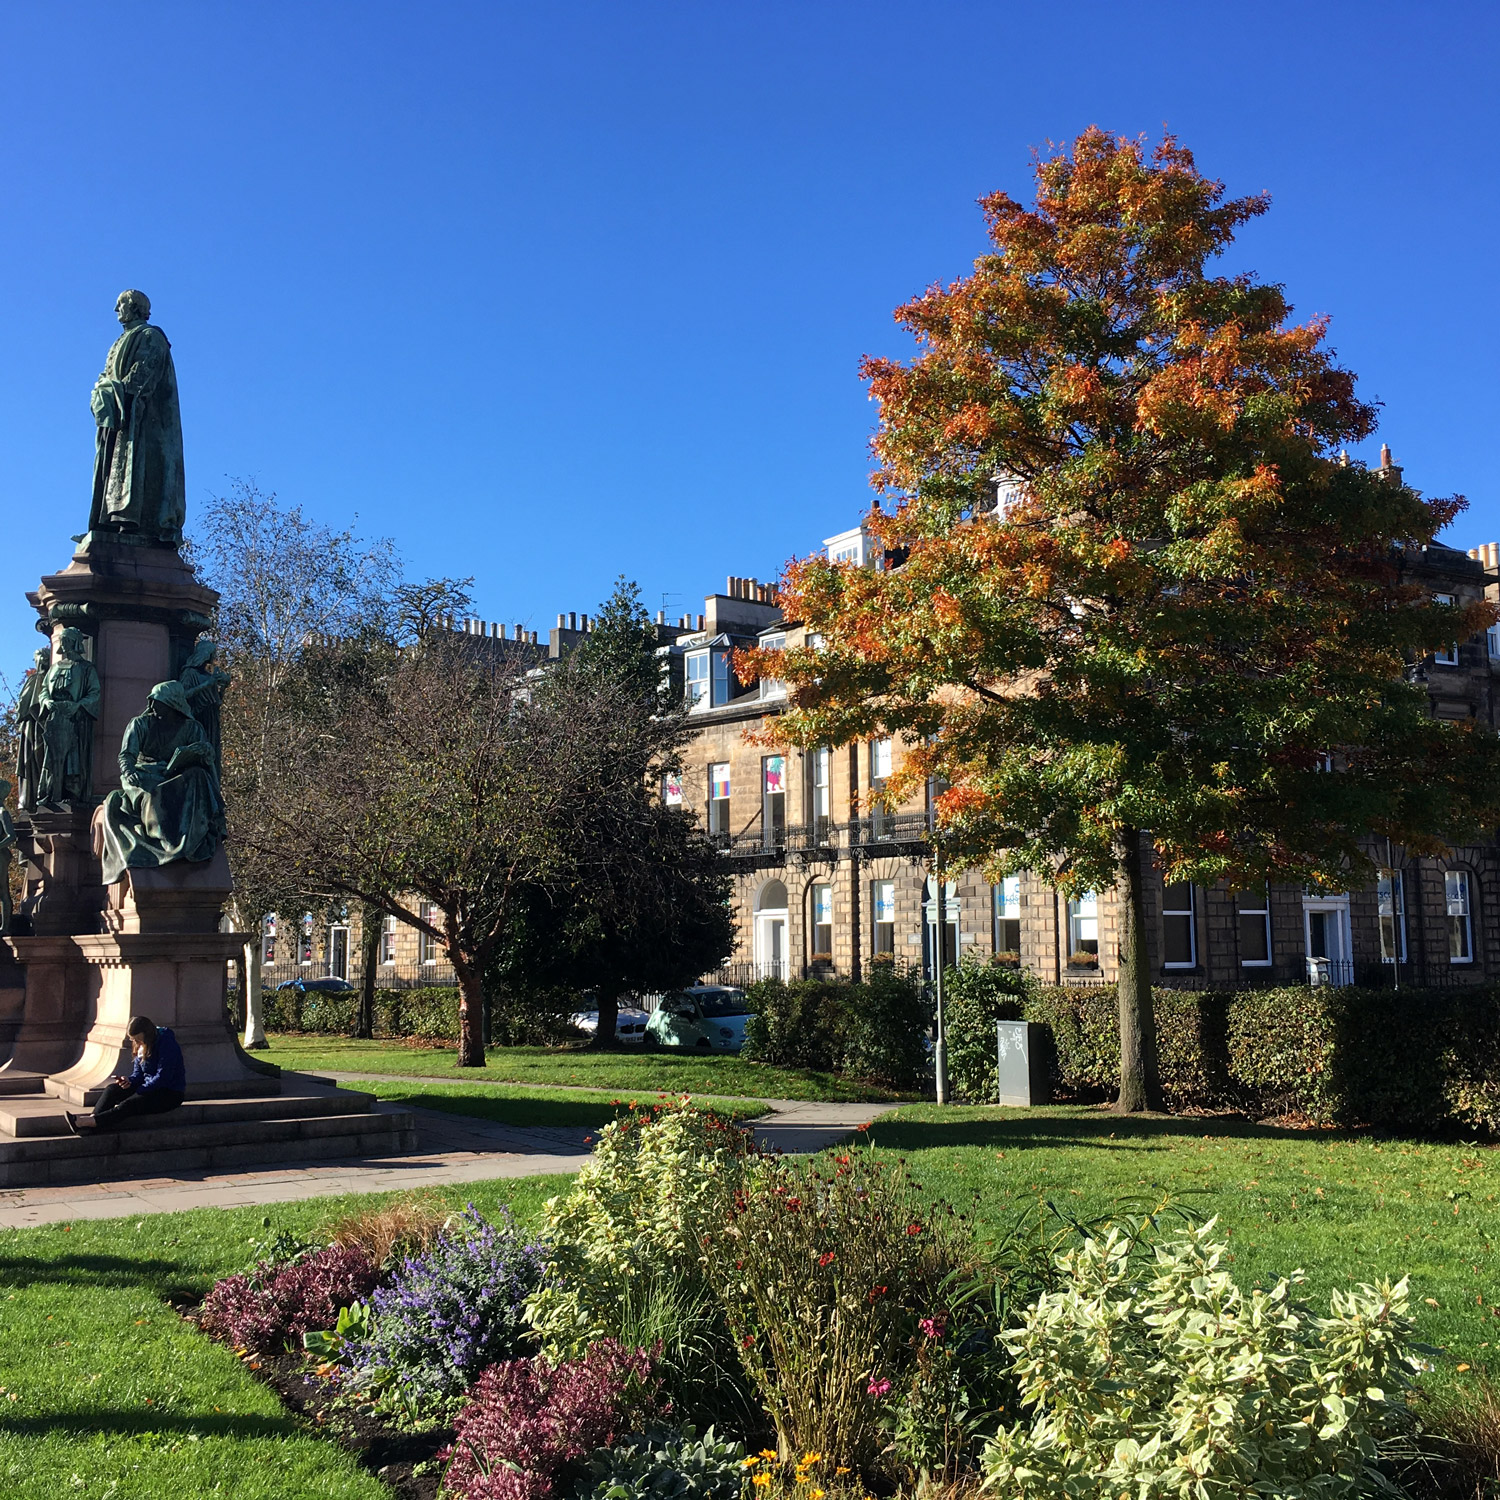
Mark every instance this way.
x=453 y=1148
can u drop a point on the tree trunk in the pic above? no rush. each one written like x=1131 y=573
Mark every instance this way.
x=605 y=1034
x=1139 y=1085
x=470 y=1013
x=255 y=1029
x=369 y=935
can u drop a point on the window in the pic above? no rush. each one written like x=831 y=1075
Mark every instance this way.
x=773 y=799
x=696 y=691
x=1179 y=937
x=305 y=954
x=718 y=798
x=819 y=770
x=772 y=687
x=880 y=770
x=1460 y=929
x=722 y=679
x=1255 y=927
x=268 y=939
x=1446 y=656
x=1492 y=642
x=1007 y=900
x=388 y=940
x=671 y=789
x=337 y=951
x=427 y=946
x=883 y=915
x=1083 y=928
x=822 y=921
x=1390 y=900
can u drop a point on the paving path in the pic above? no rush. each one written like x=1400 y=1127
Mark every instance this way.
x=453 y=1148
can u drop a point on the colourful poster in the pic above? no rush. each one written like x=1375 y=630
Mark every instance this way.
x=775 y=773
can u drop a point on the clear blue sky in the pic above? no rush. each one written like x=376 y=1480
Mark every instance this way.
x=550 y=292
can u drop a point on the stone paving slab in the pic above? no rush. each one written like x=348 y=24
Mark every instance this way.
x=452 y=1149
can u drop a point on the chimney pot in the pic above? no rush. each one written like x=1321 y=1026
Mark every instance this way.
x=572 y=620
x=1385 y=455
x=562 y=621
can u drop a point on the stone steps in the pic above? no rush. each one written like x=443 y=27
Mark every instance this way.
x=31 y=1116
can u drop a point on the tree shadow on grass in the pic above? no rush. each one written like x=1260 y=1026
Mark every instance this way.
x=121 y=1423
x=1102 y=1132
x=520 y=1114
x=111 y=1272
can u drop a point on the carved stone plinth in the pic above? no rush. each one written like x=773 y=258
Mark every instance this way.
x=50 y=1028
x=64 y=891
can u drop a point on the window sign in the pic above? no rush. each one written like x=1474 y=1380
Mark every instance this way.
x=885 y=900
x=775 y=774
x=671 y=789
x=822 y=921
x=773 y=778
x=718 y=780
x=718 y=798
x=1460 y=934
x=883 y=912
x=1007 y=899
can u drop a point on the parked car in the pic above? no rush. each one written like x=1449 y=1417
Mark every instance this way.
x=708 y=1017
x=325 y=986
x=630 y=1023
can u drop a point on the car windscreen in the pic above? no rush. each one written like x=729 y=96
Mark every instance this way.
x=723 y=1003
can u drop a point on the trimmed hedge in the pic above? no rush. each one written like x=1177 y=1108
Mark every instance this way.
x=426 y=1013
x=875 y=1030
x=1413 y=1060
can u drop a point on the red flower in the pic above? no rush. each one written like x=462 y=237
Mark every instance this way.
x=747 y=1341
x=914 y=1229
x=825 y=1258
x=876 y=1292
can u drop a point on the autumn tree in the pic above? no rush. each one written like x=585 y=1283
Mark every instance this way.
x=1137 y=599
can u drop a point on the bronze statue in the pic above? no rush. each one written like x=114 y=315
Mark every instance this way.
x=204 y=684
x=138 y=481
x=69 y=703
x=168 y=805
x=30 y=748
x=7 y=843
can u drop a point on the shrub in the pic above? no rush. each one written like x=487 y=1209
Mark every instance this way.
x=797 y=1024
x=666 y=1464
x=658 y=1179
x=527 y=1420
x=975 y=996
x=386 y=1235
x=451 y=1310
x=270 y=1308
x=824 y=1277
x=1160 y=1377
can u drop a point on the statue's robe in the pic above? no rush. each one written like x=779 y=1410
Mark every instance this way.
x=138 y=479
x=168 y=805
x=68 y=738
x=205 y=693
x=30 y=746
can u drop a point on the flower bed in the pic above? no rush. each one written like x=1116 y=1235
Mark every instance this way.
x=695 y=1318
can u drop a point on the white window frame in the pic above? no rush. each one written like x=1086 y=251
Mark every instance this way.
x=1177 y=913
x=771 y=827
x=1263 y=911
x=697 y=686
x=427 y=946
x=819 y=925
x=1448 y=658
x=305 y=941
x=268 y=939
x=1492 y=642
x=880 y=754
x=773 y=687
x=713 y=802
x=876 y=923
x=387 y=939
x=1005 y=906
x=1458 y=897
x=1083 y=910
x=822 y=791
x=671 y=789
x=1390 y=906
x=336 y=937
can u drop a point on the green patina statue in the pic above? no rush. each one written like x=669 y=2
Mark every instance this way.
x=204 y=684
x=7 y=843
x=68 y=703
x=139 y=489
x=168 y=806
x=29 y=743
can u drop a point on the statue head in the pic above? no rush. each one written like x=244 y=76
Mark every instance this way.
x=132 y=306
x=70 y=643
x=43 y=658
x=203 y=652
x=169 y=695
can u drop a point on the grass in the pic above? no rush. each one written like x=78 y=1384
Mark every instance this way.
x=523 y=1107
x=1343 y=1207
x=632 y=1070
x=107 y=1393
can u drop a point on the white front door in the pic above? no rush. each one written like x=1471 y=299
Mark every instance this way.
x=770 y=945
x=1330 y=953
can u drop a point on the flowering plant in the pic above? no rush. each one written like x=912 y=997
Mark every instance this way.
x=269 y=1307
x=527 y=1421
x=451 y=1310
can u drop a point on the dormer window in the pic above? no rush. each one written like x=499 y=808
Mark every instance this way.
x=773 y=687
x=708 y=681
x=697 y=690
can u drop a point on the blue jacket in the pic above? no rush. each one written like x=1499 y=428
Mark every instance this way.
x=163 y=1071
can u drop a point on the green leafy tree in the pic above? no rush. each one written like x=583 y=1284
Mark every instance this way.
x=1137 y=598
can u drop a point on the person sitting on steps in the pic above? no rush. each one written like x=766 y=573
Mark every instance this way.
x=156 y=1084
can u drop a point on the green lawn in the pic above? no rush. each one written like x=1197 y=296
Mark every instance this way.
x=670 y=1072
x=1344 y=1208
x=112 y=1387
x=516 y=1104
x=109 y=1395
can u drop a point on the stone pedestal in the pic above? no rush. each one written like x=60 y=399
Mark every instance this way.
x=64 y=890
x=54 y=1015
x=164 y=957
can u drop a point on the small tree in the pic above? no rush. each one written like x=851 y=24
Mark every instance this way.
x=1134 y=585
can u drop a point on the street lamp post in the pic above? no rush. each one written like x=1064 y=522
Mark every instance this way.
x=940 y=1043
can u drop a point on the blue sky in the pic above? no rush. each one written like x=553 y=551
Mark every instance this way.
x=550 y=292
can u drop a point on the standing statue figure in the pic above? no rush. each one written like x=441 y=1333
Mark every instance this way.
x=30 y=748
x=138 y=483
x=7 y=843
x=69 y=702
x=204 y=684
x=168 y=805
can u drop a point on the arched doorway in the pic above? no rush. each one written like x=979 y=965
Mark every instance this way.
x=770 y=931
